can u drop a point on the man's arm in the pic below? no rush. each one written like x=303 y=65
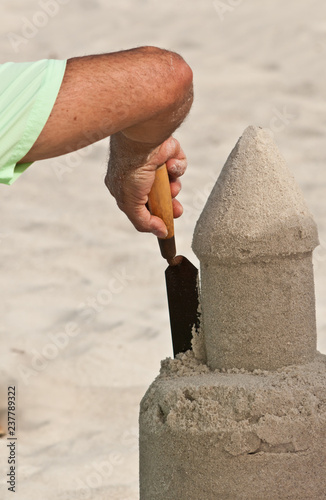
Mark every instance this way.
x=139 y=97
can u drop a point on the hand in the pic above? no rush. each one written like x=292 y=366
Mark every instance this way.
x=131 y=173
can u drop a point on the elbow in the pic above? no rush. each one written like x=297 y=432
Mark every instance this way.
x=181 y=83
x=181 y=71
x=176 y=74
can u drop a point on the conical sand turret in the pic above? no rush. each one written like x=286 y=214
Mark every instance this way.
x=254 y=239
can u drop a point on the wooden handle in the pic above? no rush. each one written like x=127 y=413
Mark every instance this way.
x=160 y=201
x=160 y=204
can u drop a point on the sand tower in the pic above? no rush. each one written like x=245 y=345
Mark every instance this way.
x=243 y=416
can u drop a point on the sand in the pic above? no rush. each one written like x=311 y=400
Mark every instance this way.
x=62 y=238
x=256 y=210
x=234 y=433
x=254 y=240
x=254 y=428
x=301 y=387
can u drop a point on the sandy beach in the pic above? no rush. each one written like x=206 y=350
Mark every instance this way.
x=84 y=319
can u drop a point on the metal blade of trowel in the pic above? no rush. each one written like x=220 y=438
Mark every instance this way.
x=181 y=275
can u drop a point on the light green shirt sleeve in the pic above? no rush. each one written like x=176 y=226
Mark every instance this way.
x=27 y=94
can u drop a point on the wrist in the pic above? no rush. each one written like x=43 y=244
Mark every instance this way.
x=137 y=141
x=127 y=140
x=127 y=154
x=130 y=151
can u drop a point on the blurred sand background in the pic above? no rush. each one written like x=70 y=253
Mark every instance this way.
x=64 y=243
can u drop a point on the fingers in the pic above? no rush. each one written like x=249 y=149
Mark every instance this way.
x=147 y=223
x=131 y=187
x=175 y=186
x=144 y=222
x=176 y=167
x=170 y=153
x=177 y=209
x=173 y=156
x=158 y=228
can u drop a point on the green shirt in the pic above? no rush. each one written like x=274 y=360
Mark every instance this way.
x=27 y=94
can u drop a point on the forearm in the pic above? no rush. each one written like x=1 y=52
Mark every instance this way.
x=145 y=93
x=167 y=95
x=159 y=127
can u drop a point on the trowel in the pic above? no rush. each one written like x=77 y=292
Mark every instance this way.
x=181 y=276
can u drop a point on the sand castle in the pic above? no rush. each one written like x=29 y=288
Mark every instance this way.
x=243 y=415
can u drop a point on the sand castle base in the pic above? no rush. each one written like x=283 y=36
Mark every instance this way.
x=234 y=435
